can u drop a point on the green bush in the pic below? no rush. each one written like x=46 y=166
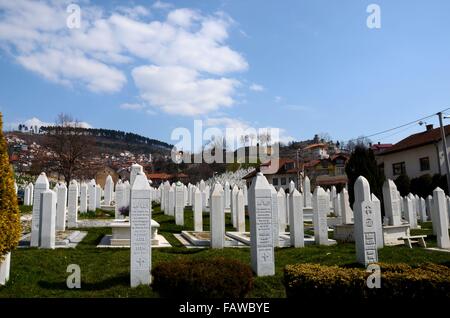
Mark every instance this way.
x=205 y=278
x=398 y=281
x=422 y=186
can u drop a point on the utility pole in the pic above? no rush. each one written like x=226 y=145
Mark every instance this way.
x=444 y=144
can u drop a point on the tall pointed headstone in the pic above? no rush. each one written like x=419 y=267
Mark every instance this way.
x=365 y=231
x=140 y=224
x=261 y=232
x=72 y=209
x=296 y=219
x=41 y=185
x=61 y=204
x=217 y=217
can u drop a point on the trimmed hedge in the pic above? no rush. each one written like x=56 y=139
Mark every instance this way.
x=398 y=281
x=10 y=227
x=206 y=278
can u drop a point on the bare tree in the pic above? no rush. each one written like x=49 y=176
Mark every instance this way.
x=70 y=148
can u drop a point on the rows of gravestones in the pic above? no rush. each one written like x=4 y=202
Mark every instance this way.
x=270 y=213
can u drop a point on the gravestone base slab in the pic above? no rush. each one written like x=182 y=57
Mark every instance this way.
x=107 y=242
x=203 y=239
x=63 y=239
x=308 y=239
x=392 y=233
x=244 y=237
x=109 y=208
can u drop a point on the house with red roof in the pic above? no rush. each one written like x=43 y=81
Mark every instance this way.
x=416 y=155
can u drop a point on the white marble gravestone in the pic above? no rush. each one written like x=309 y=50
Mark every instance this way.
x=61 y=204
x=321 y=206
x=275 y=217
x=410 y=210
x=291 y=186
x=240 y=215
x=98 y=196
x=179 y=204
x=109 y=185
x=92 y=196
x=83 y=198
x=346 y=211
x=41 y=185
x=296 y=219
x=307 y=195
x=47 y=231
x=202 y=185
x=171 y=202
x=429 y=204
x=244 y=189
x=217 y=217
x=72 y=209
x=120 y=199
x=261 y=232
x=227 y=192
x=422 y=210
x=440 y=219
x=233 y=205
x=198 y=212
x=392 y=203
x=365 y=231
x=281 y=199
x=140 y=220
x=134 y=171
x=378 y=223
x=28 y=195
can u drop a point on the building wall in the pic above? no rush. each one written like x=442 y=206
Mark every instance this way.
x=412 y=157
x=288 y=177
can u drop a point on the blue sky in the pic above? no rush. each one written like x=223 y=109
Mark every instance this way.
x=303 y=66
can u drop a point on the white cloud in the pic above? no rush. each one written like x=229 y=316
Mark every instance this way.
x=36 y=122
x=297 y=108
x=132 y=106
x=182 y=91
x=236 y=127
x=186 y=42
x=256 y=87
x=133 y=12
x=278 y=99
x=70 y=67
x=162 y=5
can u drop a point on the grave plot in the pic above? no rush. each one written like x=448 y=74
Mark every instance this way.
x=203 y=239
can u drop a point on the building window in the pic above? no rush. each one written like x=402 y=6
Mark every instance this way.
x=424 y=164
x=340 y=171
x=399 y=168
x=381 y=168
x=283 y=181
x=275 y=181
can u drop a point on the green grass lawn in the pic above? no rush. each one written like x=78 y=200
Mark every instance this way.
x=25 y=209
x=105 y=272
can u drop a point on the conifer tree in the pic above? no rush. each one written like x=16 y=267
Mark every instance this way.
x=10 y=227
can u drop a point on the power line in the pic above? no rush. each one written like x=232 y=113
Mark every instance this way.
x=404 y=125
x=401 y=126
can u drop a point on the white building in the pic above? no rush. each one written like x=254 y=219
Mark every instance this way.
x=415 y=155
